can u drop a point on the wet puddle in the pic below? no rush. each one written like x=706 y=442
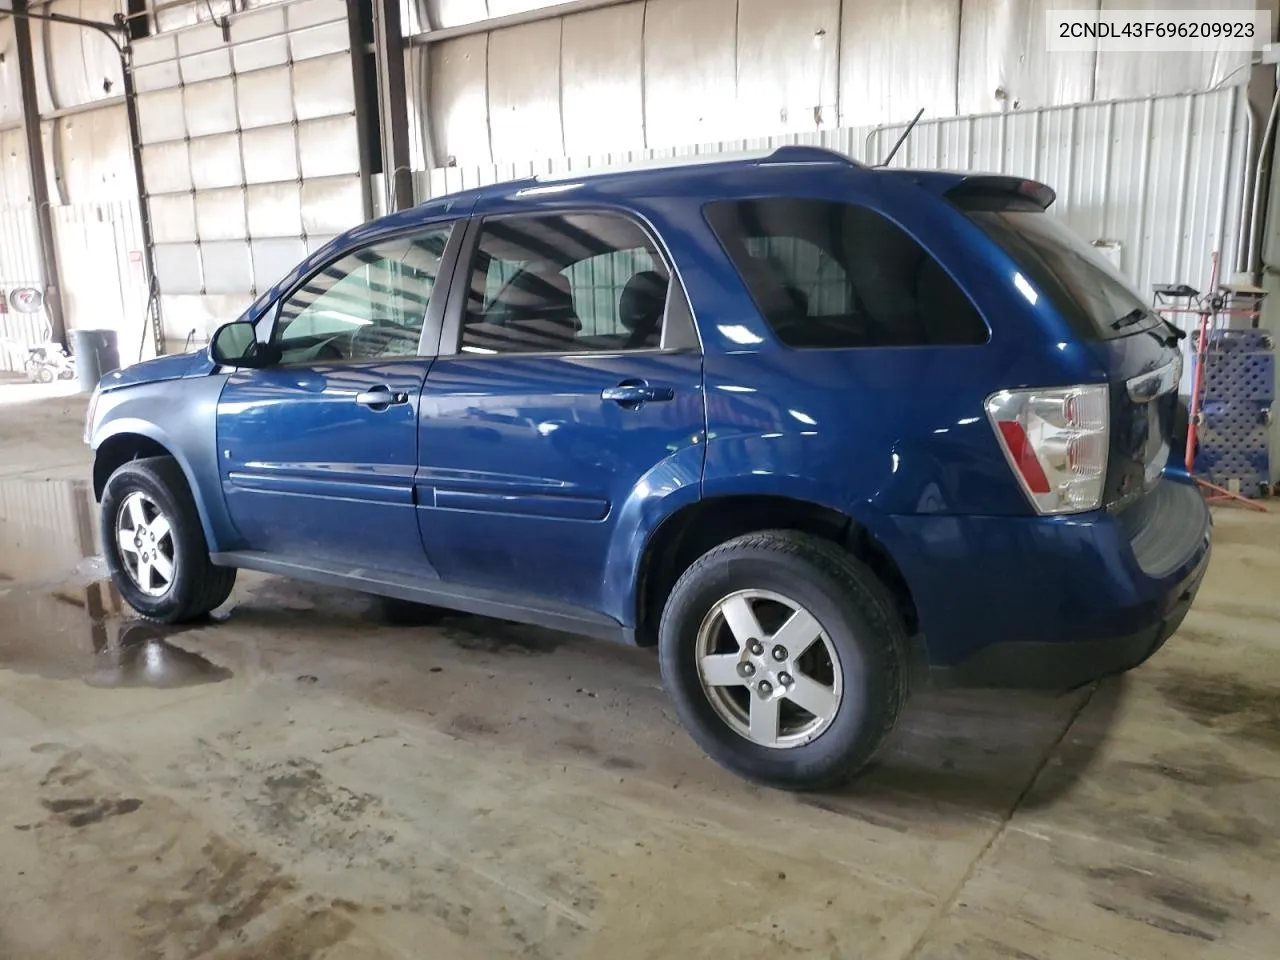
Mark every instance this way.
x=59 y=617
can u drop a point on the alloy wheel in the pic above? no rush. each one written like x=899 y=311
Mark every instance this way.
x=144 y=537
x=769 y=669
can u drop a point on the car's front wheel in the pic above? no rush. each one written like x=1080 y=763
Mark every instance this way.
x=154 y=545
x=785 y=658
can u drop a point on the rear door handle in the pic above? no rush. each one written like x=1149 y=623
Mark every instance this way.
x=633 y=393
x=380 y=397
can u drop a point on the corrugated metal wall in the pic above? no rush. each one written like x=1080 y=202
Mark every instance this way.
x=250 y=154
x=656 y=73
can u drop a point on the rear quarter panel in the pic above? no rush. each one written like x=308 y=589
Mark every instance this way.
x=874 y=432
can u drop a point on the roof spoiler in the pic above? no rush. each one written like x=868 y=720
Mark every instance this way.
x=990 y=188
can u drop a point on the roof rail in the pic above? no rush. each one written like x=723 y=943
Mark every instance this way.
x=802 y=153
x=784 y=154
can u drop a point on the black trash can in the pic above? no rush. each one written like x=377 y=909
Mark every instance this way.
x=95 y=353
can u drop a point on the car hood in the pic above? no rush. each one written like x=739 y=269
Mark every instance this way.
x=173 y=367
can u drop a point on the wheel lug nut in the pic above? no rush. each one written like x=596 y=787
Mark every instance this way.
x=765 y=688
x=756 y=647
x=785 y=679
x=779 y=653
x=746 y=670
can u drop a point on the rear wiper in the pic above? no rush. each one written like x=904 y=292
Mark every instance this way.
x=1136 y=315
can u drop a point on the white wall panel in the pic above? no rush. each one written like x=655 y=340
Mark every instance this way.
x=270 y=154
x=265 y=97
x=210 y=107
x=161 y=116
x=94 y=156
x=257 y=54
x=267 y=23
x=323 y=88
x=331 y=205
x=459 y=99
x=178 y=267
x=310 y=13
x=274 y=210
x=173 y=218
x=200 y=39
x=329 y=147
x=220 y=215
x=690 y=69
x=272 y=259
x=166 y=167
x=524 y=91
x=602 y=79
x=15 y=181
x=319 y=41
x=157 y=76
x=787 y=74
x=1002 y=47
x=720 y=69
x=196 y=317
x=206 y=66
x=896 y=57
x=10 y=89
x=215 y=162
x=227 y=267
x=75 y=66
x=1122 y=75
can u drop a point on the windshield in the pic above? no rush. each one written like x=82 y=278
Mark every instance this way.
x=1091 y=294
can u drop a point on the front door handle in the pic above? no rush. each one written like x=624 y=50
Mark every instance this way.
x=632 y=393
x=380 y=397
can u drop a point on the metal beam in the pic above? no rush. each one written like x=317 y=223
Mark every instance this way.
x=393 y=112
x=152 y=309
x=360 y=87
x=39 y=178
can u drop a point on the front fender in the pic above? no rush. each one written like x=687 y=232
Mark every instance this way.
x=181 y=416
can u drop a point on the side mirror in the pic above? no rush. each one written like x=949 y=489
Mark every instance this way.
x=236 y=345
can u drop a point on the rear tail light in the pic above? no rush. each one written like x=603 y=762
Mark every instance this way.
x=1055 y=439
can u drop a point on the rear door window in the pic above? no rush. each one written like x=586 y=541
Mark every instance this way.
x=1094 y=298
x=836 y=275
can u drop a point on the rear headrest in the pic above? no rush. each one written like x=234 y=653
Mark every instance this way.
x=643 y=300
x=545 y=297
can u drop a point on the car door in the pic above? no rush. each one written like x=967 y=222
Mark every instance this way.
x=318 y=452
x=568 y=389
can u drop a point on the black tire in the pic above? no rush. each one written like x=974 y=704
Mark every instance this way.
x=44 y=375
x=858 y=615
x=197 y=586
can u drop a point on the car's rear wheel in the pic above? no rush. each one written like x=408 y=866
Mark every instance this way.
x=154 y=545
x=786 y=659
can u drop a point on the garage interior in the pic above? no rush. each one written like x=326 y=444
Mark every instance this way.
x=321 y=774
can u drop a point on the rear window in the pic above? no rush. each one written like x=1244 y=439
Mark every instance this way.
x=835 y=275
x=1094 y=298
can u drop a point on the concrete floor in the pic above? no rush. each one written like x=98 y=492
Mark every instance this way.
x=313 y=776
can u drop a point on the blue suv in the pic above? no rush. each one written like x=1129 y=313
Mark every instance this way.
x=802 y=424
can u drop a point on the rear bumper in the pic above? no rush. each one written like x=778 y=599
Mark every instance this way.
x=1053 y=603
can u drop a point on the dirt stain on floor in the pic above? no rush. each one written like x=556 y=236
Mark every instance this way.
x=1168 y=903
x=1225 y=704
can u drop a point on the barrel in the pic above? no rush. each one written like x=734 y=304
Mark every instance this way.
x=95 y=353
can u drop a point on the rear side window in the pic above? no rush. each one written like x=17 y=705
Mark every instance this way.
x=565 y=283
x=832 y=275
x=1094 y=298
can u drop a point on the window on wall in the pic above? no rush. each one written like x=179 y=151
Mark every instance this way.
x=829 y=274
x=564 y=283
x=369 y=304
